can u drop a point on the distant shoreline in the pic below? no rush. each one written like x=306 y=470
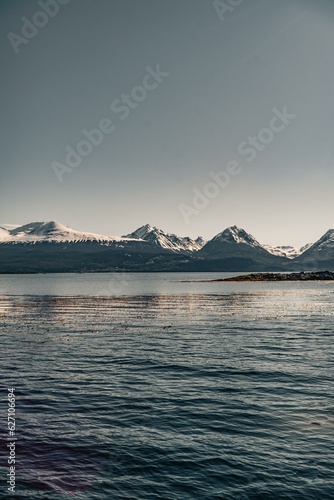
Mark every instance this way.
x=302 y=276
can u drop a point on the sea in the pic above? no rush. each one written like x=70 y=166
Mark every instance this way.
x=136 y=386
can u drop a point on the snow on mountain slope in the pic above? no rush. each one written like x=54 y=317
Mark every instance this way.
x=322 y=249
x=287 y=251
x=4 y=233
x=283 y=251
x=235 y=242
x=232 y=240
x=305 y=247
x=50 y=231
x=165 y=240
x=55 y=232
x=201 y=242
x=235 y=234
x=4 y=230
x=325 y=242
x=320 y=255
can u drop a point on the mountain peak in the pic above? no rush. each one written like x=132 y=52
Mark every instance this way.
x=235 y=242
x=141 y=232
x=166 y=241
x=234 y=228
x=321 y=249
x=148 y=227
x=41 y=228
x=235 y=234
x=49 y=231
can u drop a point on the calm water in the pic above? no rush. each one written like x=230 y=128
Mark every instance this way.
x=142 y=387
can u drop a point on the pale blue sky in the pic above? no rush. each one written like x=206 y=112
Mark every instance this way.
x=225 y=77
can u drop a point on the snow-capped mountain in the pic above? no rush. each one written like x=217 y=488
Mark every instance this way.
x=165 y=240
x=51 y=231
x=235 y=245
x=325 y=243
x=231 y=240
x=238 y=235
x=321 y=253
x=286 y=251
x=55 y=232
x=53 y=247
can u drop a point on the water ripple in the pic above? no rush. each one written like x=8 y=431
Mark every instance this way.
x=196 y=396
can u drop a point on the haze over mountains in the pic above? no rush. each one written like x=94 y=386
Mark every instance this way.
x=53 y=247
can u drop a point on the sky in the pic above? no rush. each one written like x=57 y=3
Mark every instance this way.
x=180 y=90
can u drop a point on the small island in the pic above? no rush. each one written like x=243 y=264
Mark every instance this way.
x=302 y=276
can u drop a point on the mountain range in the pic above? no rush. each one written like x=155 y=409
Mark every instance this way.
x=53 y=247
x=165 y=240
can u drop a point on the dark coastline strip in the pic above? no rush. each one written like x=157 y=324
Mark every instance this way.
x=302 y=276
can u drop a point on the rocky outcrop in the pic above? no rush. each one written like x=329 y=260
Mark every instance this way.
x=303 y=276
